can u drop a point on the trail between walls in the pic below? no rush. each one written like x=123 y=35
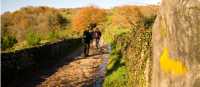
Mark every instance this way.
x=81 y=72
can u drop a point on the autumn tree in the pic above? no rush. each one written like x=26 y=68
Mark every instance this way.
x=126 y=16
x=41 y=20
x=87 y=15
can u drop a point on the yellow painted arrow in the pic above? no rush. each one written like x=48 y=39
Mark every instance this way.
x=171 y=65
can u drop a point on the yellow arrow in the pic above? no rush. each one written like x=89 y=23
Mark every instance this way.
x=171 y=65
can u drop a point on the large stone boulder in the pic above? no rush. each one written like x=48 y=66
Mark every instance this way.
x=176 y=44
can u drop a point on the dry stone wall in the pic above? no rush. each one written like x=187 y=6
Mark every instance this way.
x=26 y=61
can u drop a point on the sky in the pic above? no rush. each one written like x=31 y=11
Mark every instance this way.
x=12 y=5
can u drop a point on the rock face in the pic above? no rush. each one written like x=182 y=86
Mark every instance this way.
x=176 y=44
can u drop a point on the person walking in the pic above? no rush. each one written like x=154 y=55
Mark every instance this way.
x=97 y=36
x=87 y=37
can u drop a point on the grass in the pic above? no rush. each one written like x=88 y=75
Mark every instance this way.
x=116 y=73
x=117 y=78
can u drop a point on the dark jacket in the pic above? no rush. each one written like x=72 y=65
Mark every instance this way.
x=87 y=37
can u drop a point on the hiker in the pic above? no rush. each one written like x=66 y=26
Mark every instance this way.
x=97 y=36
x=87 y=37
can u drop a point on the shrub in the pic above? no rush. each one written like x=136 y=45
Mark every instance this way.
x=8 y=42
x=130 y=56
x=53 y=35
x=137 y=55
x=148 y=21
x=116 y=72
x=33 y=39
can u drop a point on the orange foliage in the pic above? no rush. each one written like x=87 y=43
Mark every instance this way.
x=38 y=19
x=86 y=16
x=126 y=16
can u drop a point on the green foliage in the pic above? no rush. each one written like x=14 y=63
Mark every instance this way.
x=111 y=32
x=53 y=36
x=8 y=42
x=137 y=53
x=115 y=59
x=33 y=39
x=130 y=50
x=116 y=73
x=117 y=78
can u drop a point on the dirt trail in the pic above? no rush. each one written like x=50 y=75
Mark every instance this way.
x=81 y=72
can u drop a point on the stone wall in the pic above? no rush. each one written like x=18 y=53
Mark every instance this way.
x=176 y=44
x=21 y=61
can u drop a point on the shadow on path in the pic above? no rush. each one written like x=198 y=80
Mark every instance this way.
x=89 y=68
x=80 y=72
x=39 y=75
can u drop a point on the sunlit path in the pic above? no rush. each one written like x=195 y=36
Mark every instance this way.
x=83 y=71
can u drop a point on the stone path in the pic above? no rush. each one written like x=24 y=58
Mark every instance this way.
x=81 y=72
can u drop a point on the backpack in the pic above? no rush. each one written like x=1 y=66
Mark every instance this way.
x=97 y=34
